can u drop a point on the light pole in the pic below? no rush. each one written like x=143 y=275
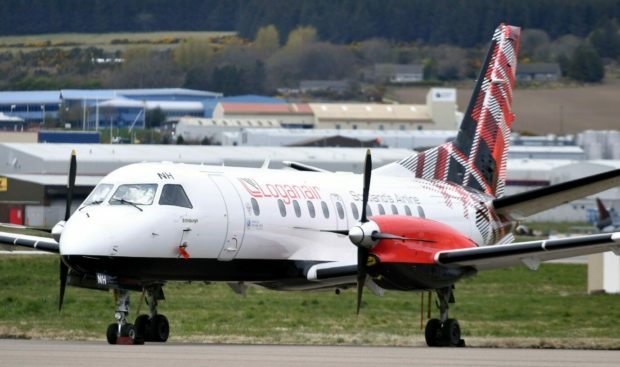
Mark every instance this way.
x=43 y=109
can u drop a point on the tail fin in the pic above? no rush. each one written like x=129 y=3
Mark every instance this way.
x=604 y=219
x=477 y=157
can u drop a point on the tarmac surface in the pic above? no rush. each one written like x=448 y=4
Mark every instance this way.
x=28 y=353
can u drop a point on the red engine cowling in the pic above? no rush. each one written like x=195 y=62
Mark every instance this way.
x=434 y=236
x=409 y=264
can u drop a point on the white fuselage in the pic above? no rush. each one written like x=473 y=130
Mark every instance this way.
x=244 y=213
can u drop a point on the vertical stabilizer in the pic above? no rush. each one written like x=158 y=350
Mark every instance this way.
x=477 y=157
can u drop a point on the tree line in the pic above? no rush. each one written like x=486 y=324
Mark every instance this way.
x=463 y=23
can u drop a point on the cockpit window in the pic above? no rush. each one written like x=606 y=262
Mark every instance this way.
x=174 y=195
x=141 y=194
x=98 y=195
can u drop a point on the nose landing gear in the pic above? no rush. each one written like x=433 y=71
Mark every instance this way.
x=121 y=332
x=152 y=328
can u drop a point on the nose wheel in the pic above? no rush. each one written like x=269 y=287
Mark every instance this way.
x=153 y=327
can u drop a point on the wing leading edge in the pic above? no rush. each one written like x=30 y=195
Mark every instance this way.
x=35 y=242
x=529 y=253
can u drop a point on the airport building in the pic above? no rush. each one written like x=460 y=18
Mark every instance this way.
x=33 y=176
x=91 y=109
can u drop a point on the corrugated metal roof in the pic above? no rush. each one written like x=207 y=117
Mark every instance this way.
x=114 y=93
x=33 y=97
x=370 y=112
x=268 y=108
x=98 y=159
x=55 y=180
x=150 y=105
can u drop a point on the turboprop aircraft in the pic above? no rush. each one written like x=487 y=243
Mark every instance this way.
x=421 y=224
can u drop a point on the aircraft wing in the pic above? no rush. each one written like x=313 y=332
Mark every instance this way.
x=527 y=203
x=529 y=253
x=42 y=243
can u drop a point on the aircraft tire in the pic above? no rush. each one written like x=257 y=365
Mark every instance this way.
x=432 y=333
x=451 y=333
x=160 y=328
x=111 y=333
x=142 y=329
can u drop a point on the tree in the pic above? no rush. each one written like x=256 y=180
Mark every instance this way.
x=229 y=80
x=155 y=117
x=195 y=53
x=145 y=68
x=586 y=65
x=301 y=36
x=267 y=39
x=606 y=39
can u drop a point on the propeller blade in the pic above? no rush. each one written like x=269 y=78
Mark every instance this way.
x=63 y=283
x=344 y=232
x=362 y=261
x=70 y=184
x=64 y=270
x=389 y=236
x=366 y=189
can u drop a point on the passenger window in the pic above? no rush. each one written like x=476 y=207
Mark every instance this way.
x=297 y=208
x=394 y=209
x=356 y=214
x=142 y=194
x=282 y=207
x=421 y=212
x=325 y=209
x=368 y=210
x=407 y=210
x=174 y=195
x=340 y=210
x=255 y=207
x=311 y=209
x=381 y=210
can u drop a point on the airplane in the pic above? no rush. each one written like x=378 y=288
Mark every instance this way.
x=423 y=224
x=608 y=220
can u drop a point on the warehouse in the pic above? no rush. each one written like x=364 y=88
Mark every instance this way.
x=33 y=176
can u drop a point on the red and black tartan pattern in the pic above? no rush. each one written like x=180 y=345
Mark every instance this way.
x=477 y=157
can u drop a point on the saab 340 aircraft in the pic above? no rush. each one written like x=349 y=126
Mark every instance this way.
x=423 y=224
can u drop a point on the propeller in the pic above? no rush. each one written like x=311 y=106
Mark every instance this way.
x=64 y=269
x=366 y=234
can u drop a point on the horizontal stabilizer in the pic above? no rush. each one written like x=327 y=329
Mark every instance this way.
x=524 y=204
x=529 y=253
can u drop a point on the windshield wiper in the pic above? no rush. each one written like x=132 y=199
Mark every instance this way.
x=123 y=201
x=96 y=202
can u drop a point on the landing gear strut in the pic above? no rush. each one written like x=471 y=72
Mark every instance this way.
x=121 y=331
x=153 y=327
x=444 y=332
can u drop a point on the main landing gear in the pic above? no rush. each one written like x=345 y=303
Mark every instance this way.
x=444 y=332
x=153 y=327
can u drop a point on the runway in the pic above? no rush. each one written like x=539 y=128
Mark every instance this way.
x=30 y=353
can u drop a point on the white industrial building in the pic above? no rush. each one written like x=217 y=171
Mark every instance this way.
x=36 y=173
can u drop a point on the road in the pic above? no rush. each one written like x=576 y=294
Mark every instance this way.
x=30 y=353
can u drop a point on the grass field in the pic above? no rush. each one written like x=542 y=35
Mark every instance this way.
x=544 y=110
x=102 y=40
x=510 y=307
